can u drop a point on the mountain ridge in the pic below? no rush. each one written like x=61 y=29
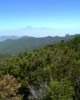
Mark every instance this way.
x=25 y=43
x=4 y=38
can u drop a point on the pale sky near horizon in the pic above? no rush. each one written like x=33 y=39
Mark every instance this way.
x=59 y=15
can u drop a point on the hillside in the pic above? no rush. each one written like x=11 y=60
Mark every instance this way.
x=15 y=46
x=48 y=73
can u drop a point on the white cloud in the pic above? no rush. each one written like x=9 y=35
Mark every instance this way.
x=40 y=31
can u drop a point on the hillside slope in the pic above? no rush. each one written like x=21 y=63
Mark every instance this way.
x=27 y=43
x=51 y=72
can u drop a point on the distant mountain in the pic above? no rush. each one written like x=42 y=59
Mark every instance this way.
x=3 y=38
x=14 y=45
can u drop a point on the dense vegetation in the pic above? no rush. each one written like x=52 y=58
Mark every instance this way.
x=50 y=73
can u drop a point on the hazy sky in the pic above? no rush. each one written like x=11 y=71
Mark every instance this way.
x=61 y=15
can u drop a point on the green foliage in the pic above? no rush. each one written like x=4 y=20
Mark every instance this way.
x=61 y=90
x=54 y=69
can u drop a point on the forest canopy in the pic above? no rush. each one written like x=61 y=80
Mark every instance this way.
x=48 y=73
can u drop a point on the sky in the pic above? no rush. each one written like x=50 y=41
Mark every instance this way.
x=39 y=17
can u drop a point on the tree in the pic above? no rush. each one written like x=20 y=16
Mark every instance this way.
x=8 y=87
x=61 y=90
